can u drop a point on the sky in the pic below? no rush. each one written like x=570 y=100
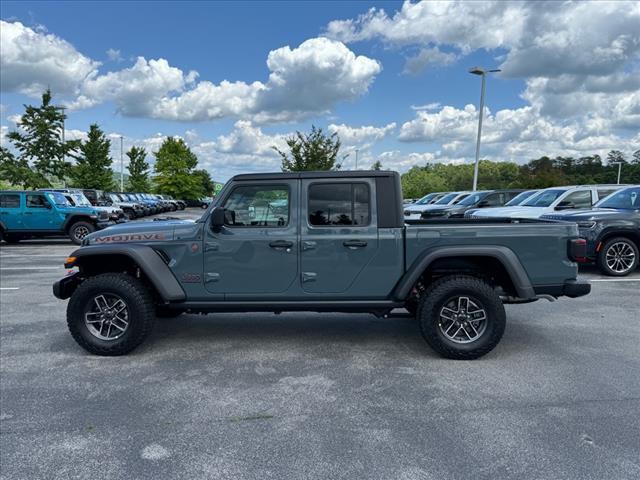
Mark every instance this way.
x=234 y=79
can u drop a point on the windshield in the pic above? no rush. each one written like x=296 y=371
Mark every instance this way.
x=426 y=199
x=544 y=198
x=114 y=198
x=58 y=199
x=80 y=199
x=627 y=199
x=446 y=199
x=518 y=199
x=473 y=198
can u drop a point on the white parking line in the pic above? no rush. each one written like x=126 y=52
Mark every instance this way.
x=31 y=255
x=30 y=268
x=9 y=288
x=614 y=279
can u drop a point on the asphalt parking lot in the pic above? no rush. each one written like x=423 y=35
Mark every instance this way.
x=302 y=395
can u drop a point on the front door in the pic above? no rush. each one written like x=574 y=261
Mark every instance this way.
x=338 y=233
x=39 y=213
x=256 y=251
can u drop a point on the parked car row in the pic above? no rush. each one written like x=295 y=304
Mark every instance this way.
x=73 y=212
x=608 y=216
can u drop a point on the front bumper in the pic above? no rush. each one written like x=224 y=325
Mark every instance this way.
x=104 y=224
x=65 y=287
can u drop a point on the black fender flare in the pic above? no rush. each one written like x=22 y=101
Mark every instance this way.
x=624 y=229
x=504 y=255
x=145 y=257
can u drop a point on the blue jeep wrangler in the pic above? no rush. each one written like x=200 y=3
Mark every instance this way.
x=25 y=214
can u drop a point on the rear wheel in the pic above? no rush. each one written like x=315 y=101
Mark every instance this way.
x=110 y=314
x=79 y=230
x=130 y=214
x=461 y=317
x=618 y=257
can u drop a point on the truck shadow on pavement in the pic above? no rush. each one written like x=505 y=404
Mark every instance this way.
x=316 y=330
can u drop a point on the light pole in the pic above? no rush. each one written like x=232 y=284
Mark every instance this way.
x=619 y=169
x=121 y=164
x=357 y=158
x=483 y=73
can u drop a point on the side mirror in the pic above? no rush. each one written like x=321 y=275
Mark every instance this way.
x=217 y=217
x=483 y=203
x=48 y=206
x=565 y=205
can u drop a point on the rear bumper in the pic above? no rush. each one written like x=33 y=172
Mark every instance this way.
x=65 y=287
x=571 y=289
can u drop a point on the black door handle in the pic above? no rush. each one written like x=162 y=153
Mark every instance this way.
x=354 y=243
x=281 y=244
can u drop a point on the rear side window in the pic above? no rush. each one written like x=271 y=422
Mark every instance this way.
x=605 y=192
x=339 y=204
x=580 y=199
x=9 y=200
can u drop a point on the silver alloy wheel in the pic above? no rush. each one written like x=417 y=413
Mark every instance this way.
x=620 y=257
x=107 y=317
x=81 y=232
x=462 y=319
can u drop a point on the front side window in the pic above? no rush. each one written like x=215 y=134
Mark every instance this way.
x=339 y=204
x=580 y=199
x=446 y=199
x=36 y=201
x=9 y=200
x=257 y=206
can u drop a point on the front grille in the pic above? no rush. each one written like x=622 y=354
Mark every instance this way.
x=103 y=216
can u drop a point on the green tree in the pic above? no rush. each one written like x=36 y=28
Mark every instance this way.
x=615 y=156
x=377 y=165
x=636 y=157
x=207 y=185
x=17 y=172
x=39 y=141
x=310 y=152
x=175 y=164
x=138 y=170
x=93 y=163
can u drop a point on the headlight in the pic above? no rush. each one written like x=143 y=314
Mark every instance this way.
x=590 y=224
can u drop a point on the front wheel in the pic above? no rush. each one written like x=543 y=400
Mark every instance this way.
x=461 y=317
x=79 y=230
x=618 y=257
x=110 y=314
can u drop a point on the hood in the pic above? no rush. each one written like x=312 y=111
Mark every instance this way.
x=423 y=208
x=74 y=210
x=143 y=232
x=511 y=212
x=576 y=215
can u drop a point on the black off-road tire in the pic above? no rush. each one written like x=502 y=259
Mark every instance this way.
x=74 y=234
x=602 y=257
x=439 y=294
x=139 y=303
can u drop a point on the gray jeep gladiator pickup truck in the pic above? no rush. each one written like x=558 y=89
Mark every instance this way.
x=317 y=241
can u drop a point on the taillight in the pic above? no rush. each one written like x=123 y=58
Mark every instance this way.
x=577 y=249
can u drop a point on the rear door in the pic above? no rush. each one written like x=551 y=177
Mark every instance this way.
x=10 y=211
x=338 y=233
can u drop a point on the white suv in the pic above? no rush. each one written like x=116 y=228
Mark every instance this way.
x=551 y=199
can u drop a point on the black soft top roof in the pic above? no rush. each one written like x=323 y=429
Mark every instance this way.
x=330 y=174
